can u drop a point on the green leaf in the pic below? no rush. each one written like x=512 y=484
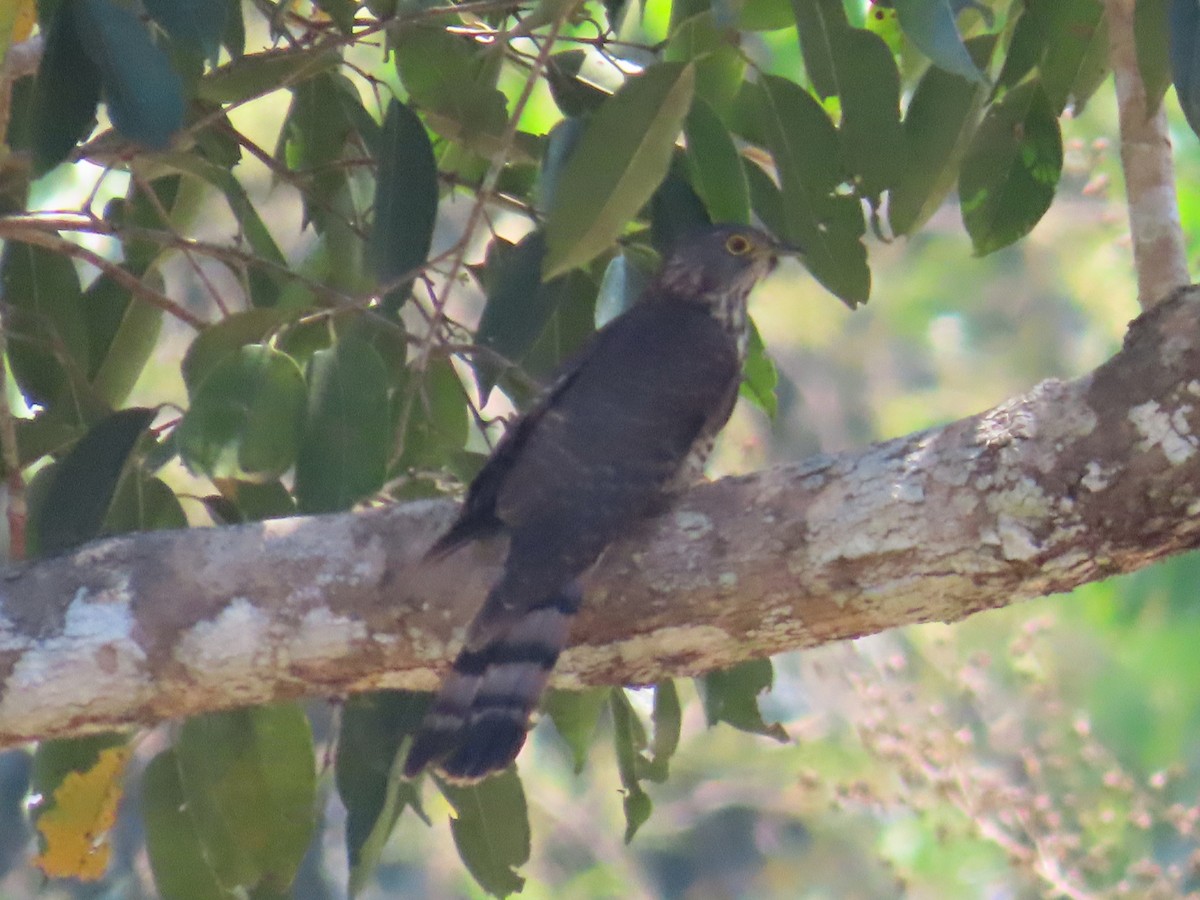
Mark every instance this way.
x=83 y=483
x=368 y=773
x=667 y=718
x=731 y=696
x=929 y=24
x=575 y=714
x=245 y=418
x=406 y=197
x=625 y=278
x=196 y=25
x=67 y=93
x=437 y=416
x=760 y=378
x=55 y=759
x=122 y=332
x=869 y=87
x=620 y=160
x=519 y=306
x=143 y=93
x=47 y=344
x=765 y=15
x=1025 y=51
x=1012 y=169
x=249 y=783
x=826 y=224
x=260 y=73
x=572 y=94
x=176 y=854
x=252 y=501
x=491 y=830
x=314 y=135
x=347 y=436
x=1076 y=48
x=629 y=739
x=720 y=64
x=341 y=11
x=938 y=127
x=224 y=339
x=468 y=108
x=818 y=23
x=715 y=166
x=143 y=503
x=1151 y=34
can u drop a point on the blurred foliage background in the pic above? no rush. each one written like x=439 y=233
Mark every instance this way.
x=1048 y=749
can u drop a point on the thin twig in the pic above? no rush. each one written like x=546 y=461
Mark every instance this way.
x=18 y=510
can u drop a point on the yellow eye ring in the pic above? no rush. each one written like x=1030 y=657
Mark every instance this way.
x=737 y=244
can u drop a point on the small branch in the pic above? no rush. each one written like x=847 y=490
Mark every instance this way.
x=18 y=510
x=1159 y=253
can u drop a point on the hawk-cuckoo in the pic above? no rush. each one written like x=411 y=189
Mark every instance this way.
x=626 y=424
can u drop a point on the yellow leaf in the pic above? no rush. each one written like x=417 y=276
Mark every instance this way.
x=75 y=829
x=24 y=21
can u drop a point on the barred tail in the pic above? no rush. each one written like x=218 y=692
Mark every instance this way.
x=478 y=720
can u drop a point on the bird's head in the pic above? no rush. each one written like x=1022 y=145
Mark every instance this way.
x=718 y=265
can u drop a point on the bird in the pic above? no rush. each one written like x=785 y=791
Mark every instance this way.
x=621 y=430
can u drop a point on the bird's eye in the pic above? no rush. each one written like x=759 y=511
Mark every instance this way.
x=737 y=244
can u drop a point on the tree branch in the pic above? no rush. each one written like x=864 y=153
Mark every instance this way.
x=1067 y=484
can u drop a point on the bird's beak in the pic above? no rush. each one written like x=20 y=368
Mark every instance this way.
x=779 y=249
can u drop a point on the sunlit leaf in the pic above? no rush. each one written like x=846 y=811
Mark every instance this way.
x=620 y=160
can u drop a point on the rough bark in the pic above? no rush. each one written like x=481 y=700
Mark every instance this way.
x=1064 y=485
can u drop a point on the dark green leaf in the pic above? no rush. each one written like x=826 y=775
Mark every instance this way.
x=245 y=418
x=122 y=332
x=676 y=210
x=573 y=95
x=143 y=93
x=560 y=144
x=250 y=501
x=313 y=136
x=347 y=437
x=224 y=339
x=261 y=73
x=828 y=225
x=629 y=739
x=47 y=344
x=571 y=325
x=620 y=160
x=1185 y=58
x=765 y=198
x=406 y=197
x=175 y=852
x=68 y=90
x=818 y=22
x=437 y=416
x=341 y=11
x=84 y=482
x=1011 y=171
x=1025 y=50
x=938 y=127
x=368 y=780
x=1152 y=37
x=1076 y=43
x=196 y=25
x=143 y=503
x=715 y=166
x=249 y=783
x=731 y=696
x=491 y=830
x=760 y=379
x=929 y=24
x=233 y=39
x=574 y=714
x=519 y=306
x=869 y=87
